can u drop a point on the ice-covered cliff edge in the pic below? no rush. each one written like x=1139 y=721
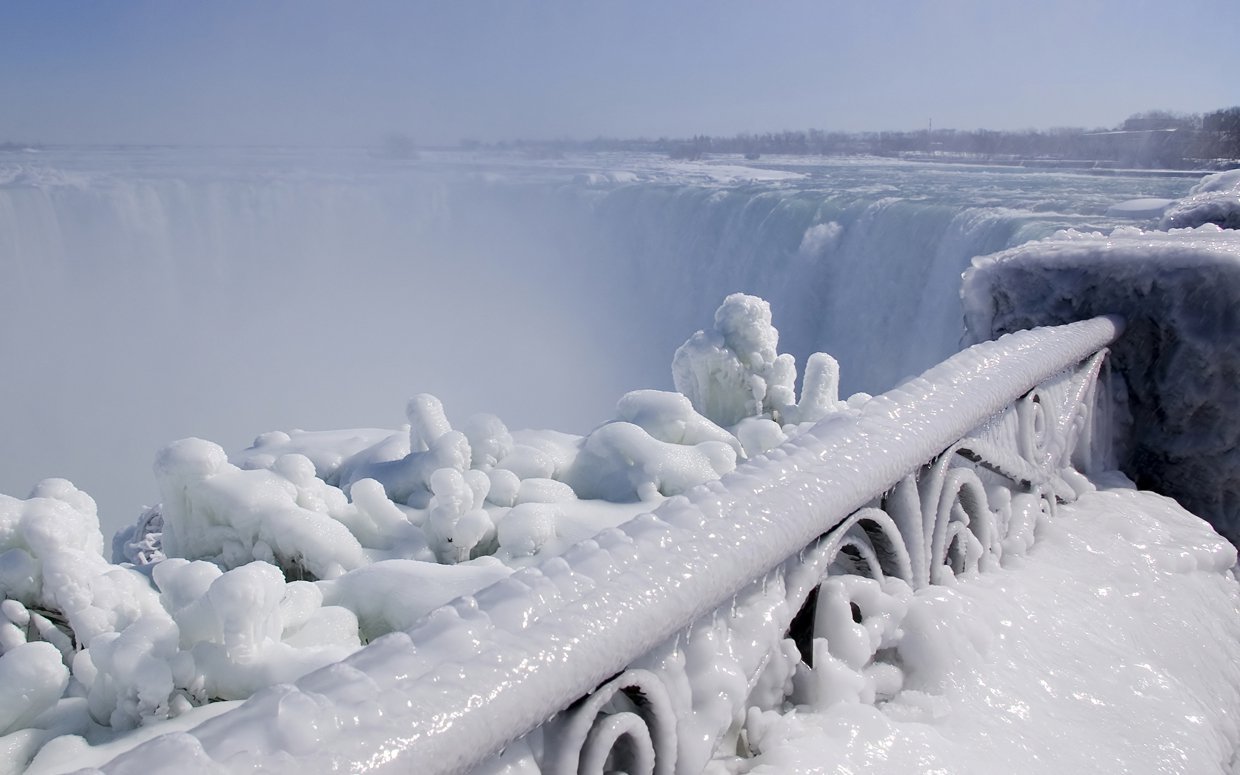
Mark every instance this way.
x=1179 y=356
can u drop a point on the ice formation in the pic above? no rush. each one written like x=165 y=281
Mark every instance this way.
x=505 y=637
x=1216 y=200
x=259 y=569
x=1179 y=356
x=734 y=371
x=118 y=648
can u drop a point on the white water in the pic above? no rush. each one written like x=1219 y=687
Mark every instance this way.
x=154 y=294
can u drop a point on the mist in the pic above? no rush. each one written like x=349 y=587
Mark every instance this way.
x=238 y=294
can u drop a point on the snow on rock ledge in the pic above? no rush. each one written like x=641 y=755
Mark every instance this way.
x=1216 y=200
x=1180 y=353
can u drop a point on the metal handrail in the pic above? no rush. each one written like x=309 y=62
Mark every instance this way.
x=484 y=671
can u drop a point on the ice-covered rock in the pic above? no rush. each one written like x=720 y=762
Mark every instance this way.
x=1216 y=200
x=32 y=679
x=758 y=434
x=670 y=417
x=1180 y=353
x=326 y=449
x=527 y=528
x=392 y=595
x=407 y=480
x=1145 y=207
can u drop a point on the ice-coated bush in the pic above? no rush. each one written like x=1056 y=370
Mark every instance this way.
x=733 y=371
x=622 y=462
x=257 y=569
x=216 y=511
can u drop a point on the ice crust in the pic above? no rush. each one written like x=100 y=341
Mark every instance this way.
x=1180 y=354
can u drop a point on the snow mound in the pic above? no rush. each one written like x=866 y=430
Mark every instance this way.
x=1179 y=355
x=1216 y=200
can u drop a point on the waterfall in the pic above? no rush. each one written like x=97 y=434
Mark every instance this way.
x=147 y=296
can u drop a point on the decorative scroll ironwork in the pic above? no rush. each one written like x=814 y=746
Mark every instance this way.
x=627 y=725
x=829 y=608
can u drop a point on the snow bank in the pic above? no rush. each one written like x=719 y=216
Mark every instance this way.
x=1179 y=355
x=1216 y=199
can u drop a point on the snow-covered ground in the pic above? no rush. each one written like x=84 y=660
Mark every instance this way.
x=1113 y=646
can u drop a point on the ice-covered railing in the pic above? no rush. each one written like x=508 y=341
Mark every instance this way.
x=658 y=645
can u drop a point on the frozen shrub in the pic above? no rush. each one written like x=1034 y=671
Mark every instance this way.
x=733 y=371
x=670 y=417
x=621 y=462
x=457 y=523
x=216 y=511
x=527 y=528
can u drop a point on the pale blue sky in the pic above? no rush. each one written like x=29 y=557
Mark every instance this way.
x=312 y=72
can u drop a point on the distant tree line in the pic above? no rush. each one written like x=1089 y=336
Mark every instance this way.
x=1149 y=139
